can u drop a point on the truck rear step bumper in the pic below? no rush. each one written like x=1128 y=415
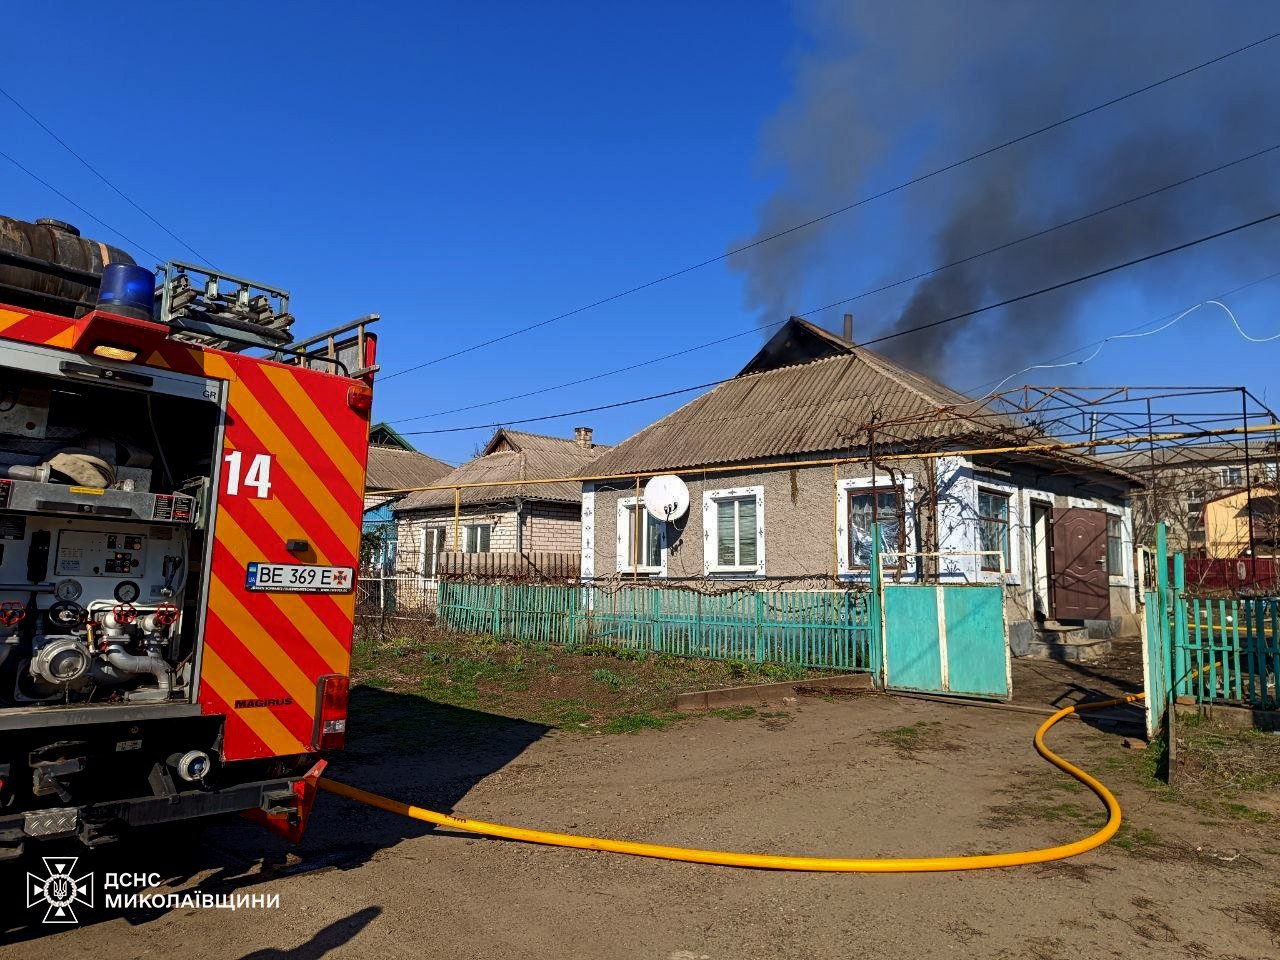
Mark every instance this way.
x=282 y=805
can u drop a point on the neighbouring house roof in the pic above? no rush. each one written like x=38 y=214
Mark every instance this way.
x=1225 y=452
x=383 y=435
x=392 y=468
x=1264 y=497
x=513 y=455
x=808 y=391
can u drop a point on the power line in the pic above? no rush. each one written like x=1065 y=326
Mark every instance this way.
x=866 y=293
x=845 y=209
x=92 y=216
x=1127 y=330
x=97 y=173
x=891 y=336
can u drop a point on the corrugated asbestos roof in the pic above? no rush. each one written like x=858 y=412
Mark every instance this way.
x=515 y=456
x=391 y=468
x=821 y=404
x=810 y=407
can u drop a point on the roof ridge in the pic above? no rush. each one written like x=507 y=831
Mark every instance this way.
x=888 y=368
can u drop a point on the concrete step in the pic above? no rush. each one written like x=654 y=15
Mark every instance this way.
x=1074 y=645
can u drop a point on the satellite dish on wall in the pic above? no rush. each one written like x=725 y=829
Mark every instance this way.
x=666 y=498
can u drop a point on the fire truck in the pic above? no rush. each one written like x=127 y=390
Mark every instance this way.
x=181 y=491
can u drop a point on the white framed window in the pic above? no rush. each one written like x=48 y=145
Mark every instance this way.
x=733 y=531
x=432 y=544
x=862 y=501
x=1000 y=516
x=476 y=536
x=1119 y=545
x=642 y=539
x=994 y=524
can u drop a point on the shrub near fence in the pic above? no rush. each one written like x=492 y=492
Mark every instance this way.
x=829 y=629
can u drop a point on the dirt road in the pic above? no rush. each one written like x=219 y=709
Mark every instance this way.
x=860 y=776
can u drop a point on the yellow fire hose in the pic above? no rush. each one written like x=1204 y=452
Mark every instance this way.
x=767 y=861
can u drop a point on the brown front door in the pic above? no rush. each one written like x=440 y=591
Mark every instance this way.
x=1081 y=584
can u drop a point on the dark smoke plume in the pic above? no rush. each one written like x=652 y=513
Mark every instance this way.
x=887 y=91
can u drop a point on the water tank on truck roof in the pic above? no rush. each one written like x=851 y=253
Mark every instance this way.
x=48 y=266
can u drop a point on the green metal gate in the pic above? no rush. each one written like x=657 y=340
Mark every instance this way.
x=943 y=638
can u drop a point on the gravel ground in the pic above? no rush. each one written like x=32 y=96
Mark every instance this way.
x=867 y=775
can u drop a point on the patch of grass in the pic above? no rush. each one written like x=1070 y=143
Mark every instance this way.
x=733 y=713
x=1062 y=811
x=595 y=687
x=565 y=713
x=920 y=736
x=776 y=719
x=1241 y=811
x=1135 y=841
x=604 y=650
x=607 y=677
x=635 y=722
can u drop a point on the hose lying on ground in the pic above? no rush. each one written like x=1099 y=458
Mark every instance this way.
x=778 y=862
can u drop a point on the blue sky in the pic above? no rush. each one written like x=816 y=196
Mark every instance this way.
x=464 y=170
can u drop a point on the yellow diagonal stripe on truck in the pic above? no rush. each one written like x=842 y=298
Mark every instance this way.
x=266 y=725
x=292 y=605
x=277 y=515
x=261 y=645
x=269 y=434
x=305 y=409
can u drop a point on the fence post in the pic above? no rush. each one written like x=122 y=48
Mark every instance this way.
x=759 y=604
x=1162 y=592
x=655 y=610
x=879 y=633
x=1179 y=622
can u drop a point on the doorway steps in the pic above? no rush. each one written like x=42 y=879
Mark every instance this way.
x=1057 y=641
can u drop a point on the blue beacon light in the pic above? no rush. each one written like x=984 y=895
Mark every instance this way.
x=127 y=290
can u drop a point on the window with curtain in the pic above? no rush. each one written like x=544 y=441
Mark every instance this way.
x=882 y=505
x=476 y=537
x=642 y=539
x=993 y=528
x=737 y=534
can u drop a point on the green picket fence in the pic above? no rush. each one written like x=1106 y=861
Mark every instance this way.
x=810 y=628
x=1228 y=650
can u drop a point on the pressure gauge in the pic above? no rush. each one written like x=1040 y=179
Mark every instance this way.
x=68 y=590
x=127 y=591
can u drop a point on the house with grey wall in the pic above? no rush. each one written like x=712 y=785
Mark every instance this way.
x=1054 y=528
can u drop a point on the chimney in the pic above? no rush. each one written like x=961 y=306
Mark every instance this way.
x=848 y=327
x=582 y=437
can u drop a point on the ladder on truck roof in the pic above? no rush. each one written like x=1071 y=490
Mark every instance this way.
x=232 y=313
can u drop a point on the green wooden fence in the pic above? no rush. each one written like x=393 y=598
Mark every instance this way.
x=829 y=629
x=1228 y=651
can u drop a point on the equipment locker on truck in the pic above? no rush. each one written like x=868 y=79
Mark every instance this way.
x=179 y=533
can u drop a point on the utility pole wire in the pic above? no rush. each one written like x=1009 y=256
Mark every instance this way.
x=889 y=336
x=92 y=216
x=845 y=209
x=94 y=170
x=866 y=293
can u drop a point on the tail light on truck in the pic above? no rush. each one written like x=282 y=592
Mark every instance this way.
x=332 y=692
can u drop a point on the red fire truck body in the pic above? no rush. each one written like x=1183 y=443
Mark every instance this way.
x=175 y=637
